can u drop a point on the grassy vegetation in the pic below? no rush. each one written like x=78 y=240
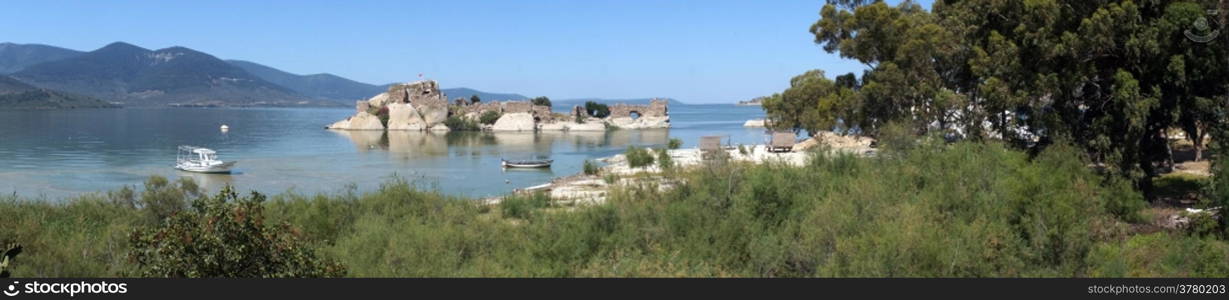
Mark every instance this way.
x=638 y=157
x=590 y=167
x=489 y=117
x=961 y=210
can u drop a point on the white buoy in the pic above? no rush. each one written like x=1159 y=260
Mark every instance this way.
x=225 y=128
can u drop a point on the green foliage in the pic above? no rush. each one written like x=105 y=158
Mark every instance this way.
x=474 y=99
x=1109 y=75
x=742 y=149
x=161 y=199
x=543 y=100
x=638 y=157
x=523 y=206
x=489 y=117
x=1160 y=255
x=597 y=109
x=664 y=161
x=590 y=167
x=226 y=236
x=674 y=143
x=460 y=123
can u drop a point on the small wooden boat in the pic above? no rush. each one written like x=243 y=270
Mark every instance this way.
x=200 y=160
x=532 y=163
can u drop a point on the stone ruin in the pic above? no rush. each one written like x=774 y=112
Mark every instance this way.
x=421 y=105
x=654 y=115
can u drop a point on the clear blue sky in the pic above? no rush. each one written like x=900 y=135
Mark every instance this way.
x=694 y=51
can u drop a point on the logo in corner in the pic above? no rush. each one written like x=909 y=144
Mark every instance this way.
x=12 y=290
x=1203 y=32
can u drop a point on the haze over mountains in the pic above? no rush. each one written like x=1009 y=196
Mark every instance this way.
x=130 y=75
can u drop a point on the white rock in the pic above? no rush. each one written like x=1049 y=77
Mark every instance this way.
x=514 y=122
x=640 y=123
x=403 y=116
x=360 y=121
x=379 y=100
x=758 y=123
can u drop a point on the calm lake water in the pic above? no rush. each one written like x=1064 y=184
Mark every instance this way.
x=60 y=154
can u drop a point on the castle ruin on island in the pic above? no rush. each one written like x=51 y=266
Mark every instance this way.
x=421 y=106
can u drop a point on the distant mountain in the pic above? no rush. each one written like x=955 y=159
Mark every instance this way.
x=326 y=86
x=633 y=101
x=14 y=57
x=454 y=93
x=322 y=86
x=15 y=94
x=137 y=76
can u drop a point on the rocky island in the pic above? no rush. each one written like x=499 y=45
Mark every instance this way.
x=421 y=106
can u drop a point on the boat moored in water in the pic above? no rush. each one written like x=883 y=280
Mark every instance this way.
x=200 y=160
x=533 y=163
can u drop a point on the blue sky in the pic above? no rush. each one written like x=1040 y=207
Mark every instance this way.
x=694 y=51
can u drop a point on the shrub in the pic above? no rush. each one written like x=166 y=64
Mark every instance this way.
x=474 y=99
x=523 y=206
x=162 y=199
x=638 y=157
x=664 y=161
x=226 y=236
x=674 y=143
x=459 y=123
x=590 y=168
x=543 y=101
x=597 y=109
x=742 y=149
x=489 y=117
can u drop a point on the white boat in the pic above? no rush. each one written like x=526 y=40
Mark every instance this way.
x=200 y=160
x=536 y=163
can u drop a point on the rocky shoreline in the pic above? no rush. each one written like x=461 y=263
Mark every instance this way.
x=421 y=106
x=583 y=189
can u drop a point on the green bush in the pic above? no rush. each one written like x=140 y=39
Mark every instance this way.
x=664 y=161
x=523 y=206
x=459 y=123
x=590 y=168
x=1160 y=255
x=226 y=236
x=543 y=101
x=597 y=110
x=674 y=143
x=638 y=157
x=489 y=117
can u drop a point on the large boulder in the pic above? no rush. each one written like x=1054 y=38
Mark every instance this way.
x=403 y=116
x=433 y=114
x=644 y=122
x=521 y=121
x=360 y=121
x=572 y=126
x=378 y=101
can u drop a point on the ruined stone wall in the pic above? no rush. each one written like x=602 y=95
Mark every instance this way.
x=543 y=113
x=656 y=108
x=480 y=108
x=517 y=107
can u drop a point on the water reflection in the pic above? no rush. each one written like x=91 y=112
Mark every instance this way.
x=418 y=144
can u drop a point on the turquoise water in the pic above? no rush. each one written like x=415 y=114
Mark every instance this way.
x=58 y=154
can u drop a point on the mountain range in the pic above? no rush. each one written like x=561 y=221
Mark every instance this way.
x=15 y=94
x=129 y=75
